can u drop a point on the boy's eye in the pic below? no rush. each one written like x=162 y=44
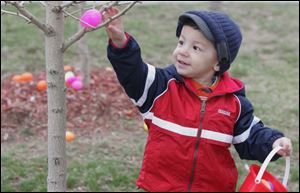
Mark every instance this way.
x=180 y=42
x=196 y=48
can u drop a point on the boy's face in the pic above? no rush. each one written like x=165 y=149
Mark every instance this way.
x=195 y=56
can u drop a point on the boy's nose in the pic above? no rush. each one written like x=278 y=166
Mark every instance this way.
x=183 y=51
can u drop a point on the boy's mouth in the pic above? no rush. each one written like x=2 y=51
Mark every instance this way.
x=183 y=63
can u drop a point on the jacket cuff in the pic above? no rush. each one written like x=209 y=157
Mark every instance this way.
x=270 y=144
x=124 y=45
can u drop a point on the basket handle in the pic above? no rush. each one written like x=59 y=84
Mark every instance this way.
x=267 y=161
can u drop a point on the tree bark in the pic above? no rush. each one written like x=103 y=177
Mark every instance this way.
x=57 y=180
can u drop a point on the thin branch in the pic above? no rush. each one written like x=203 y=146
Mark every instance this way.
x=81 y=33
x=22 y=3
x=76 y=11
x=42 y=3
x=76 y=18
x=102 y=6
x=117 y=15
x=110 y=19
x=73 y=39
x=72 y=13
x=47 y=30
x=107 y=5
x=68 y=4
x=3 y=12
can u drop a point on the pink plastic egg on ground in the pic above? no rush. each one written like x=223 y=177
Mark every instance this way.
x=77 y=85
x=70 y=80
x=93 y=17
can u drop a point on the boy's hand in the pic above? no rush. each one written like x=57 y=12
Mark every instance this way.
x=114 y=29
x=286 y=145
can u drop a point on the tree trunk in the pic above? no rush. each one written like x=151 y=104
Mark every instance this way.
x=84 y=55
x=57 y=180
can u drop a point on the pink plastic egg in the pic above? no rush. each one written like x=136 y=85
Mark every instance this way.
x=77 y=85
x=93 y=17
x=70 y=80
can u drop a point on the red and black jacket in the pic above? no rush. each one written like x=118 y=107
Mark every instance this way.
x=189 y=137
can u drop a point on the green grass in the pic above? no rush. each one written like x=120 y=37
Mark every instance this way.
x=25 y=176
x=268 y=63
x=94 y=164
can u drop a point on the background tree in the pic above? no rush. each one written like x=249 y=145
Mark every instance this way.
x=55 y=47
x=83 y=53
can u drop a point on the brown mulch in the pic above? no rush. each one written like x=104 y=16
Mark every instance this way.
x=89 y=111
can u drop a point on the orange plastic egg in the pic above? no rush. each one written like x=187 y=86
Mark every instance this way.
x=70 y=136
x=41 y=85
x=17 y=78
x=27 y=76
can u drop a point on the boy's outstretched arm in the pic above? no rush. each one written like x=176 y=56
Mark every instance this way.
x=142 y=82
x=124 y=55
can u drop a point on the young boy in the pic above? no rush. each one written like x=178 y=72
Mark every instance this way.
x=194 y=109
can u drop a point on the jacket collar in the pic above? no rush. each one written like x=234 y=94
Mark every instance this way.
x=227 y=83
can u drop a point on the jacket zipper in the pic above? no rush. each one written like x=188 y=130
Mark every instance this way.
x=197 y=144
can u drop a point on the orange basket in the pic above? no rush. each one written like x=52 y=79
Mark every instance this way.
x=260 y=180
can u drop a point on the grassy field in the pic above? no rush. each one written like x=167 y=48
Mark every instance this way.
x=268 y=63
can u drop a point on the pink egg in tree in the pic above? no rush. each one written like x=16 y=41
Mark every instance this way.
x=91 y=18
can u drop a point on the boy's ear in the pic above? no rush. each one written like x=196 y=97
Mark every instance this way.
x=217 y=67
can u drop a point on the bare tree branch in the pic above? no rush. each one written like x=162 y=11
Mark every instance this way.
x=68 y=4
x=3 y=12
x=81 y=33
x=42 y=3
x=102 y=6
x=72 y=13
x=108 y=4
x=76 y=18
x=26 y=14
x=73 y=39
x=22 y=3
x=116 y=16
